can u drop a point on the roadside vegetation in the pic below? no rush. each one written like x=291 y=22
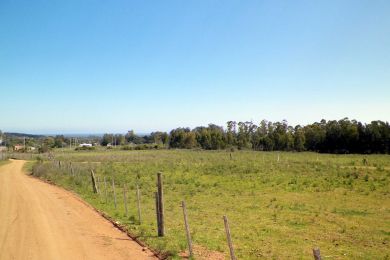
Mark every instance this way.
x=280 y=204
x=3 y=162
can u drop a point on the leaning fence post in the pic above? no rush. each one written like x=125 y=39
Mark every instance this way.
x=229 y=239
x=160 y=203
x=187 y=228
x=113 y=189
x=105 y=188
x=94 y=187
x=98 y=184
x=125 y=199
x=316 y=254
x=139 y=204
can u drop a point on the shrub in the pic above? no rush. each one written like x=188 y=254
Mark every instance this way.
x=85 y=148
x=128 y=148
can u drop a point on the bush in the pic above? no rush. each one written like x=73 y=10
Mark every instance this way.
x=128 y=148
x=43 y=149
x=85 y=148
x=139 y=147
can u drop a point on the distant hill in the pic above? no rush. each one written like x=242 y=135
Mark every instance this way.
x=23 y=135
x=82 y=135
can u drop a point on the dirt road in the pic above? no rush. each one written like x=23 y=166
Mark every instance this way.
x=41 y=221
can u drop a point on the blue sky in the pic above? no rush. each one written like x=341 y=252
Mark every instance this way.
x=82 y=66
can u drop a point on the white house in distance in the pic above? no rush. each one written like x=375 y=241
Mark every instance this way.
x=85 y=145
x=18 y=147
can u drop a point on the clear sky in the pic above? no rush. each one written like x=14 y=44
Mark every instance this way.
x=82 y=66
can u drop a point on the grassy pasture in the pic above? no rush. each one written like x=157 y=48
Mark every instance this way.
x=3 y=162
x=277 y=210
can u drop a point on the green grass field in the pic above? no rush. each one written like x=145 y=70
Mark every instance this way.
x=3 y=162
x=276 y=209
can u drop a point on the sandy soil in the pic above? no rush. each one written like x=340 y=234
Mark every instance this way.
x=41 y=221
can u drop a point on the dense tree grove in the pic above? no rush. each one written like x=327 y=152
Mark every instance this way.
x=343 y=136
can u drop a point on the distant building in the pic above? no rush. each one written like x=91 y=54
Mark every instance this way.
x=3 y=148
x=18 y=147
x=85 y=145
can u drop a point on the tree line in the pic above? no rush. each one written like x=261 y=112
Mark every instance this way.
x=333 y=136
x=342 y=136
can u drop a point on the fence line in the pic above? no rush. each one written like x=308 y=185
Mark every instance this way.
x=81 y=174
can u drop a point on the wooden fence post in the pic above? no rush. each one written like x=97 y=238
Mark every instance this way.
x=139 y=204
x=105 y=189
x=187 y=227
x=113 y=189
x=98 y=184
x=94 y=187
x=157 y=212
x=125 y=199
x=160 y=204
x=229 y=239
x=316 y=254
x=75 y=176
